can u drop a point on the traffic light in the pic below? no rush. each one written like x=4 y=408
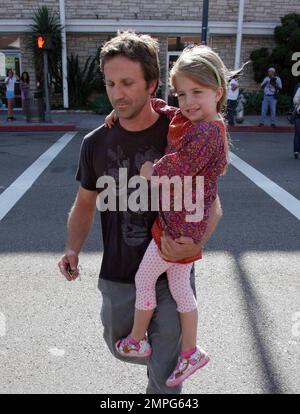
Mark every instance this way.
x=44 y=42
x=40 y=41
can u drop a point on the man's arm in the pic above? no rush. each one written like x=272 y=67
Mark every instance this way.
x=296 y=99
x=80 y=220
x=172 y=250
x=264 y=82
x=278 y=83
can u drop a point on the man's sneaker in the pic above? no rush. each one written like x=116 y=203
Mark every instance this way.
x=260 y=125
x=129 y=347
x=186 y=367
x=273 y=125
x=296 y=155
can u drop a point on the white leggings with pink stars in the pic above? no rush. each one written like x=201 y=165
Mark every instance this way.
x=151 y=267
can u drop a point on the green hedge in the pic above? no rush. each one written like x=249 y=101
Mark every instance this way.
x=254 y=100
x=100 y=105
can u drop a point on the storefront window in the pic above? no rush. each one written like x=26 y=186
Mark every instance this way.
x=175 y=47
x=177 y=44
x=9 y=42
x=9 y=59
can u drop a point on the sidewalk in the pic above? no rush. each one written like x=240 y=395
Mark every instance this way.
x=80 y=120
x=61 y=121
x=251 y=123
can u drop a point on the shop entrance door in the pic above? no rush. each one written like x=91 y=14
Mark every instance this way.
x=171 y=59
x=10 y=60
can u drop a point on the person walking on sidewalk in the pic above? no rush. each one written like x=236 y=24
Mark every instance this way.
x=130 y=66
x=271 y=85
x=232 y=98
x=296 y=101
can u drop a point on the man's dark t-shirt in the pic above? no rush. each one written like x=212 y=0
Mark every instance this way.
x=126 y=234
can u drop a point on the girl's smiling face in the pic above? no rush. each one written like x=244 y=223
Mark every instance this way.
x=197 y=102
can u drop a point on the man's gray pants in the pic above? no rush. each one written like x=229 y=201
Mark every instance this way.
x=164 y=332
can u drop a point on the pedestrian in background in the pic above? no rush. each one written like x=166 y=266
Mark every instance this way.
x=25 y=93
x=10 y=82
x=232 y=98
x=233 y=94
x=296 y=101
x=271 y=86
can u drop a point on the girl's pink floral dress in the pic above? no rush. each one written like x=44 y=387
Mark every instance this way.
x=193 y=150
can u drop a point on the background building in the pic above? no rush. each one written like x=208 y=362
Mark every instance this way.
x=175 y=23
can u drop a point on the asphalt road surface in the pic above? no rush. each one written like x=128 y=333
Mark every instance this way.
x=248 y=282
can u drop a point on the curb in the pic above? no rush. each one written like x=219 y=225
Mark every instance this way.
x=256 y=128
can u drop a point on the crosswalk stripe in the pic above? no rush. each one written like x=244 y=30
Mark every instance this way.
x=289 y=202
x=10 y=196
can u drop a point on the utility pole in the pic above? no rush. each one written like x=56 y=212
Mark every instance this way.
x=204 y=21
x=64 y=53
x=237 y=59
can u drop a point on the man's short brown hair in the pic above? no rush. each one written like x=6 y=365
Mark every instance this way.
x=136 y=47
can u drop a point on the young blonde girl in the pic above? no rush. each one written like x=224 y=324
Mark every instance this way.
x=197 y=146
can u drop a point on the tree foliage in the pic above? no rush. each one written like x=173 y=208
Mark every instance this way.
x=47 y=23
x=82 y=82
x=287 y=38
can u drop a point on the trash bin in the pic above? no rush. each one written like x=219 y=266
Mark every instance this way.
x=35 y=111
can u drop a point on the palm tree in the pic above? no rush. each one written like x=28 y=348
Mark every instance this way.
x=46 y=23
x=81 y=81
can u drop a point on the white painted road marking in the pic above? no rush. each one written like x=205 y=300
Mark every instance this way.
x=289 y=202
x=10 y=196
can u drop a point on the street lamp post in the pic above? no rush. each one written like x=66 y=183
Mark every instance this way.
x=64 y=53
x=237 y=59
x=204 y=21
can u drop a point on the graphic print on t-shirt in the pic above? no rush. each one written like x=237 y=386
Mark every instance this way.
x=134 y=224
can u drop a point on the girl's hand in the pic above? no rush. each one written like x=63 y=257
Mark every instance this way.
x=147 y=170
x=111 y=119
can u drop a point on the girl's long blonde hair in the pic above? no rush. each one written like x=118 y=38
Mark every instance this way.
x=204 y=66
